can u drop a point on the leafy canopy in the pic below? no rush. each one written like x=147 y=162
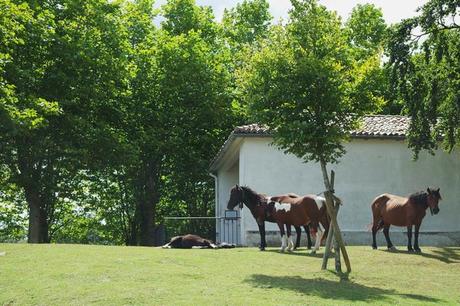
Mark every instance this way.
x=425 y=73
x=306 y=86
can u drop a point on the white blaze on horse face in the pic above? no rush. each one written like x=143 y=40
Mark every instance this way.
x=282 y=206
x=319 y=201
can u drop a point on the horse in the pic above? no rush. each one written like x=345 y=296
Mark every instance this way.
x=257 y=204
x=388 y=209
x=309 y=209
x=254 y=201
x=188 y=241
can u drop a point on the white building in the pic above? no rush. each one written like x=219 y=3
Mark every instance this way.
x=377 y=161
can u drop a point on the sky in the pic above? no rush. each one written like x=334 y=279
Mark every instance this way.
x=393 y=10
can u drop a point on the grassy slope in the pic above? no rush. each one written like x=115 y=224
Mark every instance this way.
x=77 y=274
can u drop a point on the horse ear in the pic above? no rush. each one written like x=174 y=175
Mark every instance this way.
x=438 y=190
x=428 y=190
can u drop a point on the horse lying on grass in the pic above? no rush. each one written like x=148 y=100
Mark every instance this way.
x=194 y=241
x=388 y=209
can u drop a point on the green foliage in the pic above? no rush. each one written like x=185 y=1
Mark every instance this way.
x=247 y=22
x=243 y=27
x=13 y=215
x=366 y=30
x=305 y=84
x=426 y=75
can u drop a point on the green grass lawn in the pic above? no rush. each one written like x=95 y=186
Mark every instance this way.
x=78 y=274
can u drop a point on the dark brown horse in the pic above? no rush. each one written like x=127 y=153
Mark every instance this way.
x=307 y=210
x=189 y=241
x=388 y=209
x=258 y=205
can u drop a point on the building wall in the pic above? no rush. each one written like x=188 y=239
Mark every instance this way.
x=370 y=168
x=227 y=177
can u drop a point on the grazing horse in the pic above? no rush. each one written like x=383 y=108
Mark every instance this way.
x=309 y=209
x=388 y=209
x=258 y=205
x=189 y=241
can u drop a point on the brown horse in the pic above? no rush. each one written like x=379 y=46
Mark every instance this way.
x=388 y=209
x=309 y=209
x=188 y=241
x=255 y=201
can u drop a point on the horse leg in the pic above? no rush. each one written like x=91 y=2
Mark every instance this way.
x=319 y=236
x=283 y=237
x=289 y=238
x=307 y=230
x=374 y=233
x=416 y=247
x=386 y=232
x=409 y=239
x=298 y=231
x=377 y=224
x=263 y=243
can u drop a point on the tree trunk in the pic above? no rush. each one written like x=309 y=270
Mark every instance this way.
x=35 y=233
x=330 y=211
x=148 y=205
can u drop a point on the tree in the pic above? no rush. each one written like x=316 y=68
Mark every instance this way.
x=247 y=23
x=366 y=30
x=424 y=58
x=243 y=29
x=307 y=87
x=176 y=108
x=63 y=75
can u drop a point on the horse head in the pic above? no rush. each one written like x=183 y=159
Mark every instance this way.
x=433 y=199
x=236 y=197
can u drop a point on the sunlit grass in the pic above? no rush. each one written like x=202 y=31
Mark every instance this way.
x=78 y=274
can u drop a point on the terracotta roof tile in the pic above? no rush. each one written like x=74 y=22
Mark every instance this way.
x=377 y=126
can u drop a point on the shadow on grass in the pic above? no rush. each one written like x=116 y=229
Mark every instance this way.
x=327 y=289
x=446 y=255
x=303 y=252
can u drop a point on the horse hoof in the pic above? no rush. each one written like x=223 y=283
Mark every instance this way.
x=418 y=250
x=281 y=250
x=410 y=250
x=392 y=249
x=261 y=249
x=374 y=247
x=313 y=252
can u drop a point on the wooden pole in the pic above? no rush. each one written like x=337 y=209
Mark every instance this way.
x=327 y=247
x=330 y=209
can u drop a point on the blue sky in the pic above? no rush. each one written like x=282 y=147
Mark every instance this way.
x=393 y=10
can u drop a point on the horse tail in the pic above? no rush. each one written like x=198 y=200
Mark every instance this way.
x=377 y=204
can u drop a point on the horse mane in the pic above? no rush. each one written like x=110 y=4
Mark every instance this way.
x=419 y=198
x=253 y=196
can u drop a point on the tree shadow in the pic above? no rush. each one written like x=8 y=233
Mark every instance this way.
x=447 y=254
x=327 y=289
